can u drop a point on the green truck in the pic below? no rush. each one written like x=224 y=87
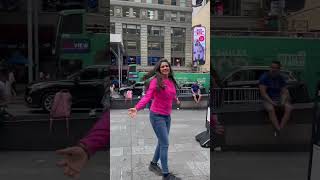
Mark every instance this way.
x=81 y=40
x=298 y=55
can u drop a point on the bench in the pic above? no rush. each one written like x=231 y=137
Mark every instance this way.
x=247 y=127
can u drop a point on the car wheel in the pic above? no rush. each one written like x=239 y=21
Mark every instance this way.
x=47 y=101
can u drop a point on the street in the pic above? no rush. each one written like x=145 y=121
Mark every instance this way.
x=186 y=158
x=40 y=165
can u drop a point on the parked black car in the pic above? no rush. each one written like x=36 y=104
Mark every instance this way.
x=248 y=77
x=85 y=86
x=137 y=89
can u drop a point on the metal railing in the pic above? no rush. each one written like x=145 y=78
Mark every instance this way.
x=223 y=96
x=184 y=91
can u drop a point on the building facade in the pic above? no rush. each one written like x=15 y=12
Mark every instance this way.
x=252 y=15
x=305 y=19
x=14 y=30
x=201 y=17
x=154 y=29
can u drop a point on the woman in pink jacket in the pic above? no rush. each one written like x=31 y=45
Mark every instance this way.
x=162 y=92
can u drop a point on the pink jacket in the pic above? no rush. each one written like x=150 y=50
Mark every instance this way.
x=99 y=136
x=161 y=100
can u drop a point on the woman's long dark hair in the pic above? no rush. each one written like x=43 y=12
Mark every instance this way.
x=156 y=72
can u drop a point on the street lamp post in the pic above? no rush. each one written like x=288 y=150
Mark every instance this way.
x=36 y=41
x=30 y=39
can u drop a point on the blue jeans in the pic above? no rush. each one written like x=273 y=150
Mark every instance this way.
x=161 y=126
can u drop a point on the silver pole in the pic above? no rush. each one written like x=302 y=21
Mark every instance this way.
x=30 y=44
x=119 y=65
x=36 y=40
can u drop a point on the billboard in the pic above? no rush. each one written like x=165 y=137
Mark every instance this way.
x=199 y=45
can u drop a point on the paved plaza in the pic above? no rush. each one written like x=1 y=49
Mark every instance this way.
x=186 y=158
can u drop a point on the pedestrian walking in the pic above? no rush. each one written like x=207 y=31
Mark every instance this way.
x=162 y=92
x=12 y=82
x=5 y=94
x=128 y=96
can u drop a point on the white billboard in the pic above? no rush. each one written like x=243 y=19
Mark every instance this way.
x=199 y=45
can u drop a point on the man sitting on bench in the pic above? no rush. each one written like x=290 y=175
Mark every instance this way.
x=195 y=89
x=273 y=89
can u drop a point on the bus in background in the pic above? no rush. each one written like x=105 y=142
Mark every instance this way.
x=133 y=74
x=81 y=40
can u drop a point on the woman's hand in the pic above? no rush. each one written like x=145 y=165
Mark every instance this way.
x=74 y=160
x=132 y=112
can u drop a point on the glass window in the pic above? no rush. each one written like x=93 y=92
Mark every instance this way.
x=178 y=32
x=174 y=2
x=173 y=16
x=177 y=47
x=131 y=44
x=111 y=11
x=112 y=28
x=151 y=14
x=182 y=17
x=136 y=12
x=137 y=0
x=183 y=3
x=131 y=29
x=155 y=31
x=149 y=1
x=117 y=11
x=72 y=24
x=125 y=12
x=89 y=74
x=153 y=60
x=160 y=15
x=160 y=1
x=154 y=45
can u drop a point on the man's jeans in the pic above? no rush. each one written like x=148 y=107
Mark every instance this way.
x=161 y=126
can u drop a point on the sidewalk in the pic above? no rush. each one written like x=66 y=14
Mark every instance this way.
x=40 y=165
x=186 y=158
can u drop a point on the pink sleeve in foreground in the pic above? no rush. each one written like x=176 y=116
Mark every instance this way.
x=149 y=95
x=99 y=136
